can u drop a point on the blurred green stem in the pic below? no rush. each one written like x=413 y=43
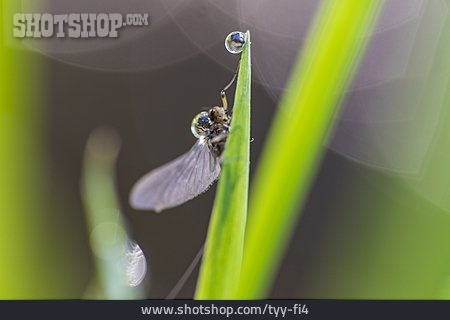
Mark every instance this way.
x=107 y=228
x=296 y=141
x=33 y=257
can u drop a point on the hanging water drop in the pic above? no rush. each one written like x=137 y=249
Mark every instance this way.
x=235 y=42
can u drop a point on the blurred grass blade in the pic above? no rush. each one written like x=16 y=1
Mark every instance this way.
x=35 y=259
x=295 y=144
x=219 y=273
x=119 y=262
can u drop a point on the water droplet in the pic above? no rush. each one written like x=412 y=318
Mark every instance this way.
x=235 y=42
x=200 y=124
x=136 y=267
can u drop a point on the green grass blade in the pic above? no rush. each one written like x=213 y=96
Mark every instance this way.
x=108 y=232
x=36 y=260
x=295 y=144
x=221 y=264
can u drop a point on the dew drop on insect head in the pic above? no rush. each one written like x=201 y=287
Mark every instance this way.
x=200 y=124
x=235 y=42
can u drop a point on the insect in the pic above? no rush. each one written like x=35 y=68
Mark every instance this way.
x=195 y=171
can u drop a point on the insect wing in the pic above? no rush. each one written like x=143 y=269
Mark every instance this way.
x=177 y=181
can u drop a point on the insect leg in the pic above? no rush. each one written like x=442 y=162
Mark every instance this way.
x=223 y=95
x=180 y=283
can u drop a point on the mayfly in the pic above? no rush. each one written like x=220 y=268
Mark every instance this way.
x=195 y=171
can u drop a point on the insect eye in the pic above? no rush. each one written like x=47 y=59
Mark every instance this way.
x=200 y=124
x=221 y=118
x=214 y=112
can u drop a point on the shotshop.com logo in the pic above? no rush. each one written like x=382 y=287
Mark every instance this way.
x=74 y=25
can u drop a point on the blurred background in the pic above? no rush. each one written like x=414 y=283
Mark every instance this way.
x=377 y=222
